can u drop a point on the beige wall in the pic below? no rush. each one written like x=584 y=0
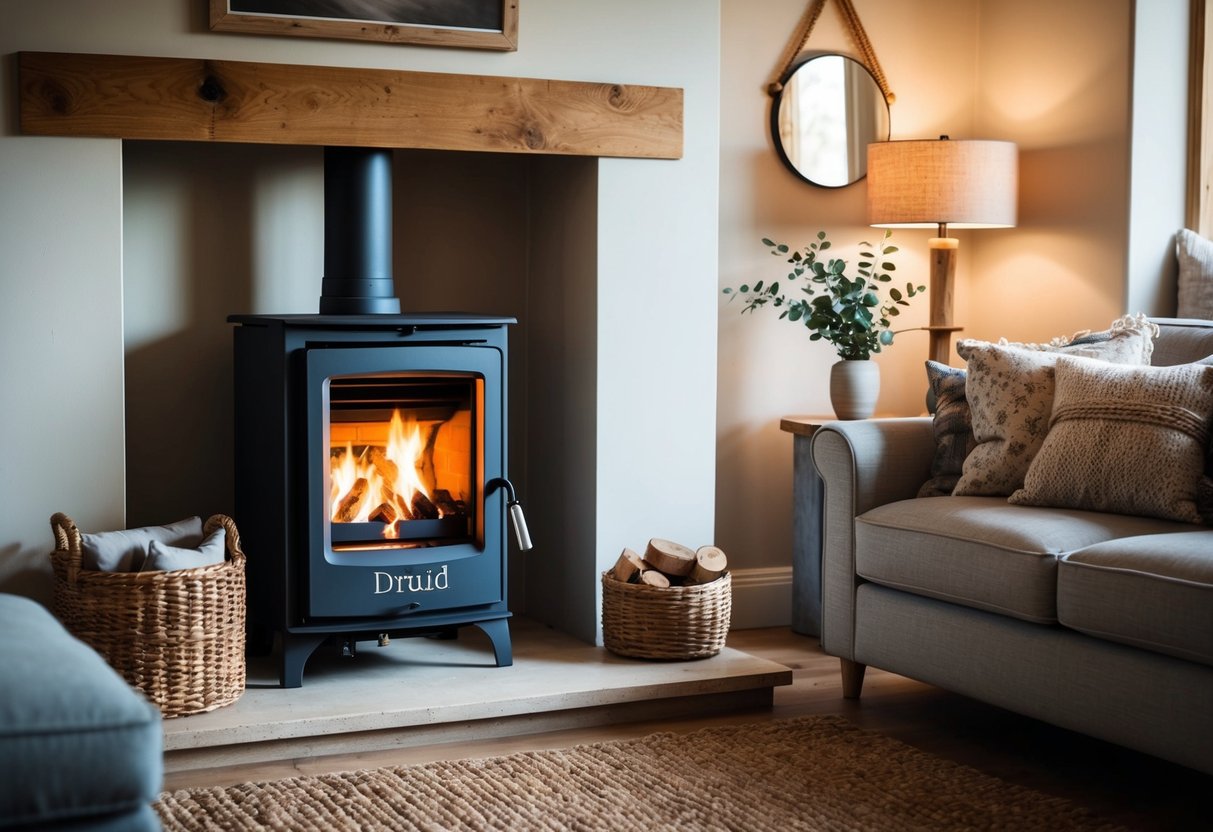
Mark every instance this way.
x=62 y=364
x=1053 y=77
x=1066 y=102
x=768 y=368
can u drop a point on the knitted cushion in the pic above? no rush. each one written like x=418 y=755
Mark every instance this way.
x=1129 y=340
x=1010 y=394
x=1129 y=440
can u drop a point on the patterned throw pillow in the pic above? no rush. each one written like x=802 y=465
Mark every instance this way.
x=1111 y=426
x=1195 y=256
x=1010 y=393
x=952 y=426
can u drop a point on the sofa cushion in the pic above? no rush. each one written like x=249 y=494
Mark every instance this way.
x=76 y=742
x=1153 y=592
x=1130 y=440
x=1182 y=341
x=982 y=552
x=1194 y=254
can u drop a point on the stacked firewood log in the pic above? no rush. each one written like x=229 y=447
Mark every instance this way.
x=666 y=563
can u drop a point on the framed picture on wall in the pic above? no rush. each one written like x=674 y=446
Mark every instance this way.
x=473 y=24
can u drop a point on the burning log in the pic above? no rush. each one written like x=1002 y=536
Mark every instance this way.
x=387 y=469
x=351 y=503
x=447 y=505
x=385 y=513
x=422 y=508
x=403 y=510
x=425 y=460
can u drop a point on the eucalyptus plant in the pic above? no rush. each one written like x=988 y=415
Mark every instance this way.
x=850 y=313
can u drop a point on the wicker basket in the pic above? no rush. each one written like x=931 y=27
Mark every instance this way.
x=680 y=622
x=176 y=635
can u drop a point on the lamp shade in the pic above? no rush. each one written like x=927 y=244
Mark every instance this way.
x=928 y=183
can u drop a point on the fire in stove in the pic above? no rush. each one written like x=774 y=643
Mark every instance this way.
x=397 y=481
x=400 y=460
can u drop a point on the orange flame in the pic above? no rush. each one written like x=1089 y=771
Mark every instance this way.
x=361 y=484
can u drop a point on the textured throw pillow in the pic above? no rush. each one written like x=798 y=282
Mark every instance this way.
x=1010 y=396
x=1195 y=256
x=163 y=557
x=952 y=426
x=1129 y=340
x=124 y=551
x=1124 y=439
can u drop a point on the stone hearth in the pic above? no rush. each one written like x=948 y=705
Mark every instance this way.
x=426 y=691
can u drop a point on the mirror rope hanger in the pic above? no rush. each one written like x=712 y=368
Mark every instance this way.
x=851 y=19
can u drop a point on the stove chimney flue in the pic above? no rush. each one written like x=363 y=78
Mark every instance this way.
x=358 y=233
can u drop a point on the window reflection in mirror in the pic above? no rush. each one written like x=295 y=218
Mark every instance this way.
x=822 y=121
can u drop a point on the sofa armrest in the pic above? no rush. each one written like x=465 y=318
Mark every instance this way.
x=863 y=464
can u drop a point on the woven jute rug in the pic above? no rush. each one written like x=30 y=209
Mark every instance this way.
x=812 y=773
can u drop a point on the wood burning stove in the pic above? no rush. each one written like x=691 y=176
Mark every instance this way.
x=371 y=486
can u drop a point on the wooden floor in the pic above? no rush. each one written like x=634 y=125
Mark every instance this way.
x=1140 y=792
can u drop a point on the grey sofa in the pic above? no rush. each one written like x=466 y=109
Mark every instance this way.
x=1096 y=622
x=79 y=748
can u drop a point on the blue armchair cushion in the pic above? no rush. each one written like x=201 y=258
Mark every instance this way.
x=77 y=744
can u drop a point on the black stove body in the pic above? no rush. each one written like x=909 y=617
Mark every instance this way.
x=370 y=450
x=343 y=556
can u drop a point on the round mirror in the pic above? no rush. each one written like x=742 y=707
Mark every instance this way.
x=829 y=110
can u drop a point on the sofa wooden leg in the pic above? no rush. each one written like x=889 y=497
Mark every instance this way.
x=852 y=678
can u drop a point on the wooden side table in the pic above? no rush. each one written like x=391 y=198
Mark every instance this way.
x=808 y=497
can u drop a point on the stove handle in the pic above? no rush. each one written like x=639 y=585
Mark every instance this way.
x=517 y=518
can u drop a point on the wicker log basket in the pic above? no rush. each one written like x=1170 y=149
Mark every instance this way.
x=176 y=635
x=670 y=623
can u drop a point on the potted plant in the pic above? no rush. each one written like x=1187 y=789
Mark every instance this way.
x=848 y=312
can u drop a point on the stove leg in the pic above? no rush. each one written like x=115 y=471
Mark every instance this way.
x=498 y=631
x=295 y=652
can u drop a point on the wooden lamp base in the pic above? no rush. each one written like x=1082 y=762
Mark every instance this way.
x=943 y=279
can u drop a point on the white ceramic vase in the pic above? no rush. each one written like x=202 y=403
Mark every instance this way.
x=854 y=387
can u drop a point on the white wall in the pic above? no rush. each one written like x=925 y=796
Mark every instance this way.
x=654 y=305
x=60 y=345
x=1158 y=179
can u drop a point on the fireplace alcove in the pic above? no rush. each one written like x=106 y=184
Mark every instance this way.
x=214 y=224
x=212 y=229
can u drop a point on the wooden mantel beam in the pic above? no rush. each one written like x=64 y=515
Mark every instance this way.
x=191 y=99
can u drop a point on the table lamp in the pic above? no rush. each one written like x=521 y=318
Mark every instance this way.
x=924 y=183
